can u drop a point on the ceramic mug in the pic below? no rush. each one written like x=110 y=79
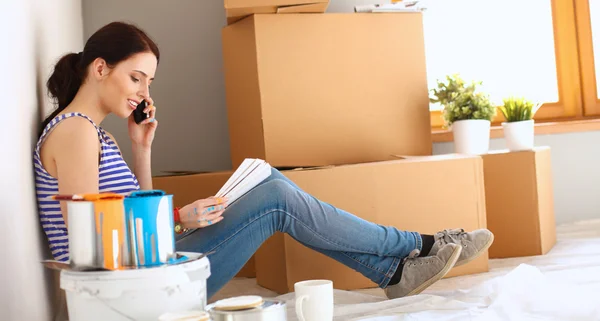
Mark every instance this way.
x=314 y=300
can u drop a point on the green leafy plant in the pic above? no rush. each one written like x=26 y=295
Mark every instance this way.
x=518 y=109
x=461 y=100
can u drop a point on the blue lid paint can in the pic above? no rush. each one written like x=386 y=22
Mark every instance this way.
x=150 y=228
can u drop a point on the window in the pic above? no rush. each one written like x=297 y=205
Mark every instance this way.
x=588 y=27
x=524 y=48
x=595 y=20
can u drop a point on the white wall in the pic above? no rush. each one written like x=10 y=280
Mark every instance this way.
x=575 y=172
x=190 y=95
x=189 y=88
x=33 y=33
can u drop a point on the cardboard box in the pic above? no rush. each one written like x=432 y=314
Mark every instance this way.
x=423 y=194
x=236 y=10
x=189 y=188
x=326 y=89
x=520 y=202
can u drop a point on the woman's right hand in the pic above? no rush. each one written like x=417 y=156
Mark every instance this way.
x=203 y=213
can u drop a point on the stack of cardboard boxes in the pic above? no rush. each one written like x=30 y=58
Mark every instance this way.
x=339 y=103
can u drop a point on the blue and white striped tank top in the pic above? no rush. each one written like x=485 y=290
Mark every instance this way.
x=115 y=177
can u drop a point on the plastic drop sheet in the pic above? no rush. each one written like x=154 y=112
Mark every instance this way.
x=523 y=294
x=561 y=285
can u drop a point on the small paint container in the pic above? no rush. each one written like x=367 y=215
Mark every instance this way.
x=150 y=228
x=269 y=310
x=96 y=228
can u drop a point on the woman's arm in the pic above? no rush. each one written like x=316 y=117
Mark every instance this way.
x=141 y=136
x=71 y=154
x=142 y=166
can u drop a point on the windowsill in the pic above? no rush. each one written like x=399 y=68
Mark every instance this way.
x=571 y=126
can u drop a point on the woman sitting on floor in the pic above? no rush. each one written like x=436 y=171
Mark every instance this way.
x=74 y=155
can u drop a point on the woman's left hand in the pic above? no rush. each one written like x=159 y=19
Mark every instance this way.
x=142 y=134
x=203 y=212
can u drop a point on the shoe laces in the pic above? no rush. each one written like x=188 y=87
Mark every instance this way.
x=411 y=256
x=451 y=236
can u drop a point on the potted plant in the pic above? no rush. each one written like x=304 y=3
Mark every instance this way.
x=467 y=112
x=518 y=128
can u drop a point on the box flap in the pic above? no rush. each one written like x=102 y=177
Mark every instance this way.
x=240 y=13
x=430 y=158
x=178 y=173
x=305 y=8
x=310 y=168
x=399 y=159
x=167 y=174
x=232 y=4
x=236 y=10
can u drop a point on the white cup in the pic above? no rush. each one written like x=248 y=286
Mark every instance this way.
x=314 y=300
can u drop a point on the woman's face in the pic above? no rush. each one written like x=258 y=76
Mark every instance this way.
x=127 y=84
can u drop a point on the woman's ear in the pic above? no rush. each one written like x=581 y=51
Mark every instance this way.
x=100 y=68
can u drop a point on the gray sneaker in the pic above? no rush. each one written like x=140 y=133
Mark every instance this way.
x=421 y=272
x=473 y=243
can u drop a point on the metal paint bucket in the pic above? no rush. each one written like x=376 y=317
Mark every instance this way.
x=150 y=228
x=270 y=310
x=96 y=228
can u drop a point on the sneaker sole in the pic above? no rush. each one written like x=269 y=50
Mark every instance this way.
x=478 y=254
x=449 y=265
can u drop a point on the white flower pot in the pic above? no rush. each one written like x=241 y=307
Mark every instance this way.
x=471 y=136
x=519 y=135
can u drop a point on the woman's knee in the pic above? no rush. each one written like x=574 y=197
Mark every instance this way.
x=279 y=190
x=276 y=174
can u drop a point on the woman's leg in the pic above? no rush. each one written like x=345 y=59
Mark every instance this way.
x=279 y=205
x=474 y=243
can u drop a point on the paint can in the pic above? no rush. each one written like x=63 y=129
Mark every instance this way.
x=137 y=294
x=150 y=228
x=269 y=310
x=96 y=228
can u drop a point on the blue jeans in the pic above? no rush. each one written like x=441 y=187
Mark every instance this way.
x=278 y=205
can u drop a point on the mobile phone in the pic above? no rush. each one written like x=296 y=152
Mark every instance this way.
x=138 y=114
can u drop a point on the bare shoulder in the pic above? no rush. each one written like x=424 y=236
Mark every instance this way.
x=72 y=138
x=72 y=131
